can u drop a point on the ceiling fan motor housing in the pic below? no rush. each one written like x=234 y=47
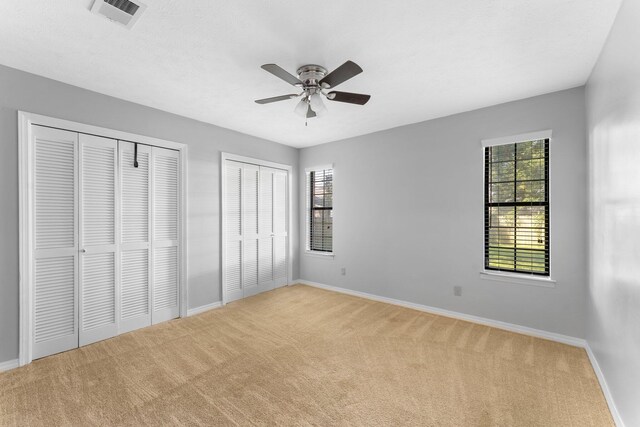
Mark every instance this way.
x=311 y=74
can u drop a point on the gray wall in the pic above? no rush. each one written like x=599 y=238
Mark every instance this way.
x=27 y=92
x=613 y=115
x=408 y=212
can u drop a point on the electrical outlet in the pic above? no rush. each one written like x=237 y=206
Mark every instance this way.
x=457 y=291
x=343 y=271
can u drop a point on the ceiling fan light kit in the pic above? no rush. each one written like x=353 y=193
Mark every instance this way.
x=314 y=82
x=316 y=104
x=301 y=108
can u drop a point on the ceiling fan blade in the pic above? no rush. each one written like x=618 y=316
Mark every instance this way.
x=351 y=98
x=341 y=74
x=281 y=73
x=310 y=113
x=276 y=98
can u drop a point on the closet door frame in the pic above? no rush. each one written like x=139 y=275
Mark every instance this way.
x=223 y=194
x=26 y=227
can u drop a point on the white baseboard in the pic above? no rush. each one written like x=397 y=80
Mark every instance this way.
x=203 y=308
x=9 y=365
x=552 y=336
x=605 y=388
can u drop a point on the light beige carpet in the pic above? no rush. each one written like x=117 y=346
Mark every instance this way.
x=305 y=356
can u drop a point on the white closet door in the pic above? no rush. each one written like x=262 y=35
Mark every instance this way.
x=55 y=257
x=280 y=227
x=250 y=185
x=135 y=237
x=266 y=233
x=256 y=238
x=99 y=219
x=165 y=271
x=232 y=262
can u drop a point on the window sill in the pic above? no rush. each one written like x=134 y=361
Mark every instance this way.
x=320 y=254
x=521 y=279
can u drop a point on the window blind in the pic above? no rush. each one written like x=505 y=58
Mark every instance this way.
x=517 y=207
x=320 y=212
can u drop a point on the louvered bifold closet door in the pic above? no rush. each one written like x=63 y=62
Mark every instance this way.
x=55 y=257
x=280 y=227
x=135 y=236
x=232 y=260
x=250 y=186
x=99 y=221
x=266 y=232
x=165 y=184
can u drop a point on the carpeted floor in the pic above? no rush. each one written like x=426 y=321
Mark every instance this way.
x=305 y=356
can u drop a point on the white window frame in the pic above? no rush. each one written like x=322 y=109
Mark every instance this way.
x=513 y=277
x=307 y=177
x=26 y=212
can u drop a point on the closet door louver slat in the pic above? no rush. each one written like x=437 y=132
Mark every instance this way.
x=55 y=293
x=55 y=197
x=165 y=291
x=135 y=193
x=98 y=291
x=54 y=299
x=166 y=194
x=135 y=287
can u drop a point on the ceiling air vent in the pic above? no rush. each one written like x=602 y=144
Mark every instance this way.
x=125 y=12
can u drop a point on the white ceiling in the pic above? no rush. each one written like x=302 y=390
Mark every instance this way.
x=421 y=59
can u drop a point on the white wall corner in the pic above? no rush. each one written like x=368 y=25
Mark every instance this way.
x=603 y=385
x=9 y=365
x=203 y=308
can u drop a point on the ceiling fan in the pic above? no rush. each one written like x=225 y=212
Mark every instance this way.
x=315 y=82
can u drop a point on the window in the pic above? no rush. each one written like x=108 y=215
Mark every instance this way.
x=320 y=210
x=516 y=209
